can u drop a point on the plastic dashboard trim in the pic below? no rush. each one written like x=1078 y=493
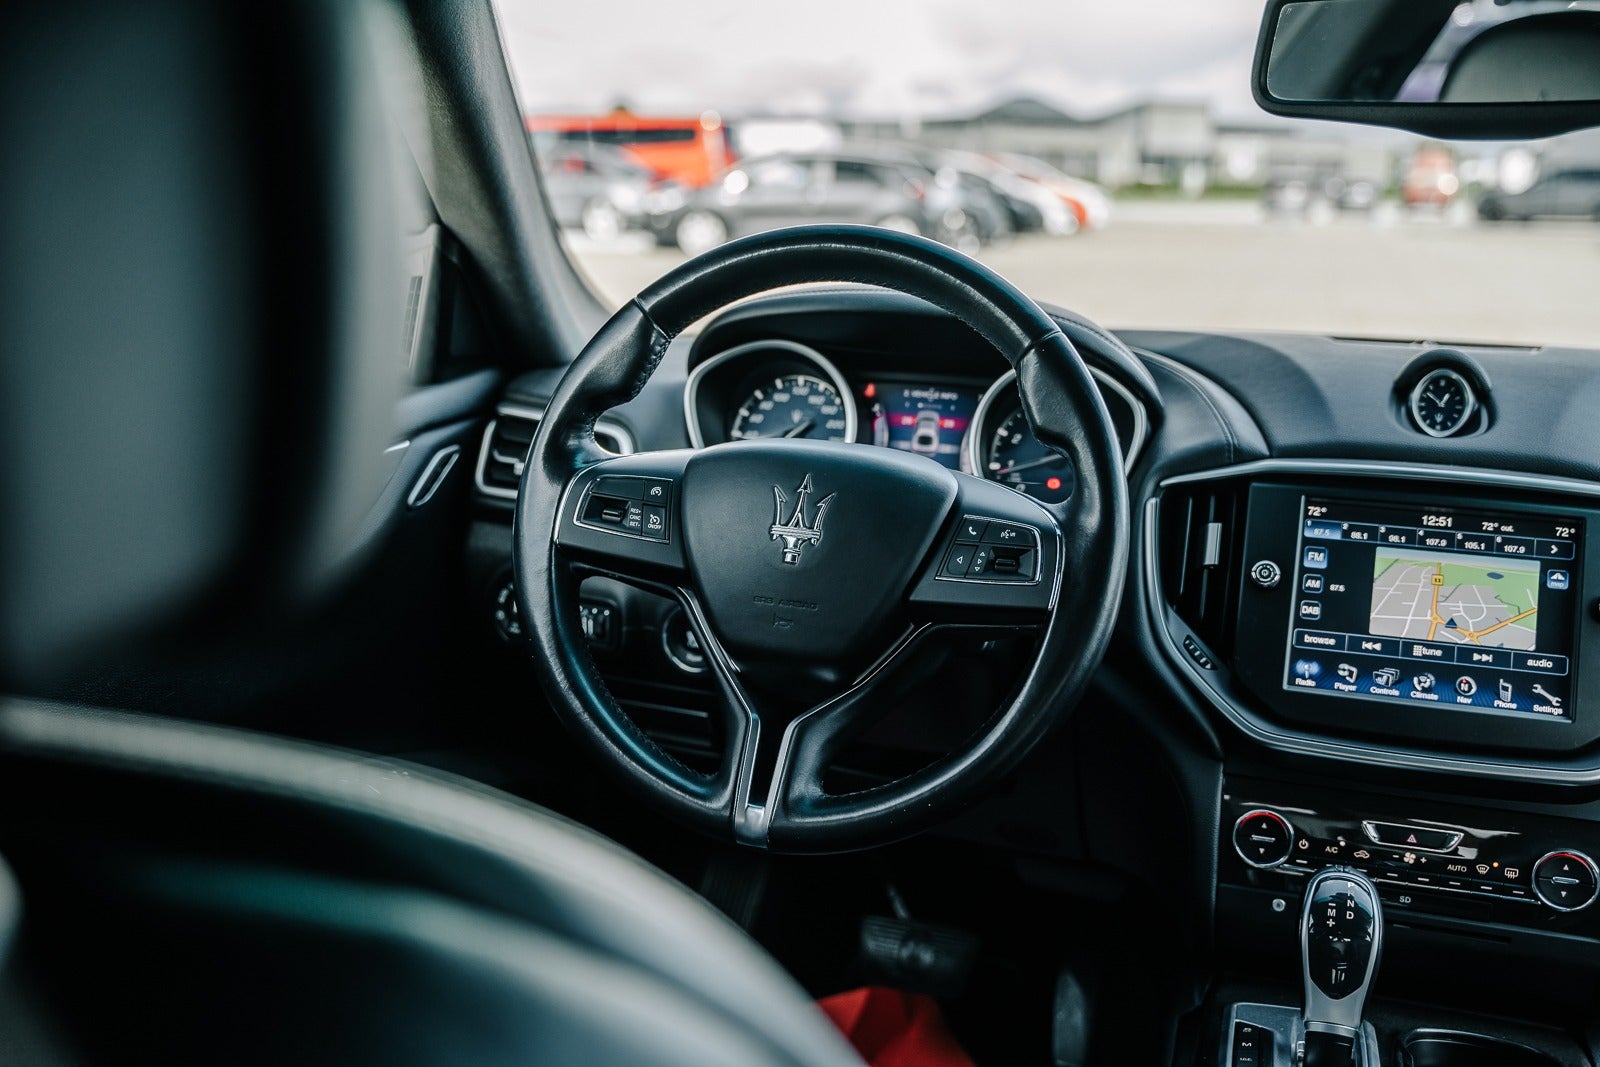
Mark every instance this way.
x=1171 y=629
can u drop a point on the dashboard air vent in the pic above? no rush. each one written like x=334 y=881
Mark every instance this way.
x=1201 y=532
x=508 y=438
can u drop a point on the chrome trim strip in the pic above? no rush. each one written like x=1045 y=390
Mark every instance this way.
x=1283 y=739
x=1141 y=419
x=440 y=464
x=615 y=430
x=691 y=388
x=1375 y=469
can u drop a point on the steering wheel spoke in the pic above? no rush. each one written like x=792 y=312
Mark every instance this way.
x=622 y=518
x=999 y=564
x=775 y=759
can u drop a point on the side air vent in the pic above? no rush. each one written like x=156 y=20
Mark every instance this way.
x=1201 y=534
x=508 y=438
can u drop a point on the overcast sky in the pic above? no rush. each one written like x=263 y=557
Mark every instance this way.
x=879 y=58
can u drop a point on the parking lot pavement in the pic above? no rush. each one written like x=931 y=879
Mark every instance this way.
x=1226 y=266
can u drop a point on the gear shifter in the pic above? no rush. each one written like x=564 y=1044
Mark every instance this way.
x=1341 y=934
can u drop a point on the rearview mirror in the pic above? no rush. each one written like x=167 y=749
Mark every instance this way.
x=1502 y=69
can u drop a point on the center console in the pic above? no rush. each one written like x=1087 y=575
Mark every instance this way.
x=1409 y=657
x=1418 y=617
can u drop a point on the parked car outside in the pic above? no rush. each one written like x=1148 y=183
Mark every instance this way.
x=595 y=188
x=1293 y=191
x=783 y=189
x=1431 y=180
x=1091 y=203
x=1566 y=194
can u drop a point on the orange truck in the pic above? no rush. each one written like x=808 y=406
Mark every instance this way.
x=688 y=150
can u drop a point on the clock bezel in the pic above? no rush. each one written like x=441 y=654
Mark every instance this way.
x=1466 y=412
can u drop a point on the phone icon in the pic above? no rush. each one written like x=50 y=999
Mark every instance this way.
x=1506 y=695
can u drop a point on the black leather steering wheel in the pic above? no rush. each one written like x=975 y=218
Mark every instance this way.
x=812 y=571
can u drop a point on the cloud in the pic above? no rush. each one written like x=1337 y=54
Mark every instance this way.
x=878 y=58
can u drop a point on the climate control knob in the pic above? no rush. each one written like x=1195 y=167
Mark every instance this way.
x=1567 y=881
x=1263 y=838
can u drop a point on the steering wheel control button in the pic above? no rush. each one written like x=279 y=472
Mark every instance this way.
x=629 y=505
x=1267 y=574
x=1009 y=535
x=959 y=561
x=655 y=522
x=1263 y=839
x=1411 y=838
x=991 y=550
x=1567 y=881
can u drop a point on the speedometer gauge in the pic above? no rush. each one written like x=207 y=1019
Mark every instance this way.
x=799 y=406
x=1015 y=457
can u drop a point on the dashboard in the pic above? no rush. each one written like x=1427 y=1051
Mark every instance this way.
x=1361 y=615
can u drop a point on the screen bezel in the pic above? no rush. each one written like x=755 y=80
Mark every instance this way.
x=1272 y=531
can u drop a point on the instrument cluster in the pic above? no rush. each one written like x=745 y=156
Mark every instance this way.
x=781 y=388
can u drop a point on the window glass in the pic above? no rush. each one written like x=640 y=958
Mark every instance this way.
x=1105 y=157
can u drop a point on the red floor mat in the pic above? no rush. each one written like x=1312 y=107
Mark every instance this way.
x=894 y=1029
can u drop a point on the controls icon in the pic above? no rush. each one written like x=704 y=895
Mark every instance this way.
x=1466 y=685
x=1422 y=683
x=1386 y=677
x=1541 y=691
x=1266 y=574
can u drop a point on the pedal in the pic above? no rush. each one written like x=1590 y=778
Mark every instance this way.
x=916 y=957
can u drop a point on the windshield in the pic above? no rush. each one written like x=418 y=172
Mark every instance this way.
x=1105 y=157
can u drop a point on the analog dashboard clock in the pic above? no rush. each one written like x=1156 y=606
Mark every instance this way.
x=1442 y=402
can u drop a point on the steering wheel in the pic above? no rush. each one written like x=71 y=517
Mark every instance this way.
x=813 y=572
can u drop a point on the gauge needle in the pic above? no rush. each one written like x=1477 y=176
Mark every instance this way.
x=799 y=428
x=1032 y=463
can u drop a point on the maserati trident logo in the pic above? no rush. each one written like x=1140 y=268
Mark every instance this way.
x=796 y=531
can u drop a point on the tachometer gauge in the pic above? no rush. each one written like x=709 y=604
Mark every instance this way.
x=1015 y=457
x=799 y=406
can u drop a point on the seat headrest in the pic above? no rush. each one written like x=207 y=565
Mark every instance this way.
x=200 y=315
x=1548 y=57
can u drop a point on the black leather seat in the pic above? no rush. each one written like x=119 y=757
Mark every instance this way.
x=199 y=312
x=202 y=895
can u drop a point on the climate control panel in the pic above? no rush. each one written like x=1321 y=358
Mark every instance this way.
x=1469 y=862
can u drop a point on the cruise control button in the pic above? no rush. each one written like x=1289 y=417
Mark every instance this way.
x=1010 y=533
x=655 y=522
x=960 y=559
x=633 y=518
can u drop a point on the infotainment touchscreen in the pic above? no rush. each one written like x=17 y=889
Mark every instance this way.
x=1456 y=608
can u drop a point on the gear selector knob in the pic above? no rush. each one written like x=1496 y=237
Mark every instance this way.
x=1341 y=935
